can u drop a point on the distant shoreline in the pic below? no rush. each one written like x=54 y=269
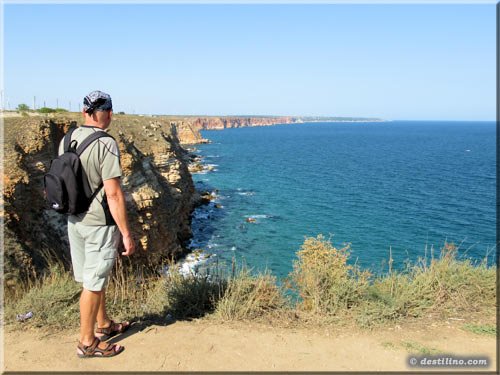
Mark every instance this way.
x=292 y=123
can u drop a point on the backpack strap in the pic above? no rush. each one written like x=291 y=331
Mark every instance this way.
x=67 y=139
x=94 y=194
x=91 y=138
x=86 y=143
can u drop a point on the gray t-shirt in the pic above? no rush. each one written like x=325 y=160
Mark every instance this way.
x=100 y=161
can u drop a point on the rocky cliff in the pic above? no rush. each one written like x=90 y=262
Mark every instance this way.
x=157 y=183
x=213 y=123
x=225 y=122
x=159 y=190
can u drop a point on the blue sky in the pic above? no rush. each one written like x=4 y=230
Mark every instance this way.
x=421 y=62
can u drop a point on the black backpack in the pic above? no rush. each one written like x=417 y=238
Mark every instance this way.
x=67 y=188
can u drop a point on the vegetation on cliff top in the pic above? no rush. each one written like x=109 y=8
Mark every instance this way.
x=327 y=288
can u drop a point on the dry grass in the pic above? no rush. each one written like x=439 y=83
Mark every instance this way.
x=135 y=292
x=328 y=289
x=250 y=297
x=444 y=285
x=324 y=280
x=54 y=298
x=192 y=296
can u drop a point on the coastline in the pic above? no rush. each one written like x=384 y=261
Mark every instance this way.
x=427 y=234
x=198 y=255
x=227 y=122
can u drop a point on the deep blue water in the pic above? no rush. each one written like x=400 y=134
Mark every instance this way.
x=402 y=185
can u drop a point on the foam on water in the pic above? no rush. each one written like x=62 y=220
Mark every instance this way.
x=258 y=216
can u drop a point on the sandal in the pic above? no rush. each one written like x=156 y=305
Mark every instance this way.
x=112 y=330
x=93 y=350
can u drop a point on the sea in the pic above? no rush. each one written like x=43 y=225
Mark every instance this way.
x=395 y=188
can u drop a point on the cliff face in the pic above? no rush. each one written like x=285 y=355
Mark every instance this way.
x=188 y=132
x=158 y=187
x=28 y=148
x=212 y=123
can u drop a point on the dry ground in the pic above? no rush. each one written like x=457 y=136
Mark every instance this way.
x=204 y=345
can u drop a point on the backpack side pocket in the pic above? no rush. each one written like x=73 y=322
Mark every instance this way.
x=55 y=192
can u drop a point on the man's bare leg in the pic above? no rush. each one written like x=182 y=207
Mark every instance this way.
x=103 y=321
x=102 y=317
x=89 y=305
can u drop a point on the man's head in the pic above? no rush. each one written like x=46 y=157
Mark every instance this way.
x=98 y=109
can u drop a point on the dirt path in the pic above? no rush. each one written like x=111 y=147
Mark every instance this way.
x=204 y=345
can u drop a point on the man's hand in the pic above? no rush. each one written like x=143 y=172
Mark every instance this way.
x=129 y=245
x=117 y=207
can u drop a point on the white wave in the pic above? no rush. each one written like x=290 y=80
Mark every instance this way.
x=191 y=263
x=258 y=216
x=246 y=193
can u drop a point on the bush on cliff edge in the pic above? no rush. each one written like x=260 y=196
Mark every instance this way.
x=326 y=285
x=250 y=296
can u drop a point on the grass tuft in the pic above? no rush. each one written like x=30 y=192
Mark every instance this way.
x=444 y=285
x=326 y=283
x=327 y=289
x=416 y=348
x=481 y=329
x=250 y=297
x=193 y=296
x=53 y=300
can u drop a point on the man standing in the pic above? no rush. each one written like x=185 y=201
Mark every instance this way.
x=94 y=236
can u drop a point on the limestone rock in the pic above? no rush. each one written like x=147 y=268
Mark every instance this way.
x=158 y=188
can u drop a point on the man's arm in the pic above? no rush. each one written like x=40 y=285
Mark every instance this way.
x=117 y=207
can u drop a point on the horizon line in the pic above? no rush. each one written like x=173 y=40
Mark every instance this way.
x=378 y=119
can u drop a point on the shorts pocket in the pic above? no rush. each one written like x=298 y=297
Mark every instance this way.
x=106 y=262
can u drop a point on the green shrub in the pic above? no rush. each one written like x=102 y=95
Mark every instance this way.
x=46 y=110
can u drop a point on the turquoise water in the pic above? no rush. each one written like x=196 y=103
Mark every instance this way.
x=408 y=186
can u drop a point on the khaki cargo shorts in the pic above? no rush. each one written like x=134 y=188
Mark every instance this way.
x=93 y=253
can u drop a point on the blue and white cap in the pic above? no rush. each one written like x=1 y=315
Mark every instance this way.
x=97 y=101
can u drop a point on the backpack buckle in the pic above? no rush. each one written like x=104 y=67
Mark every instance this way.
x=72 y=146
